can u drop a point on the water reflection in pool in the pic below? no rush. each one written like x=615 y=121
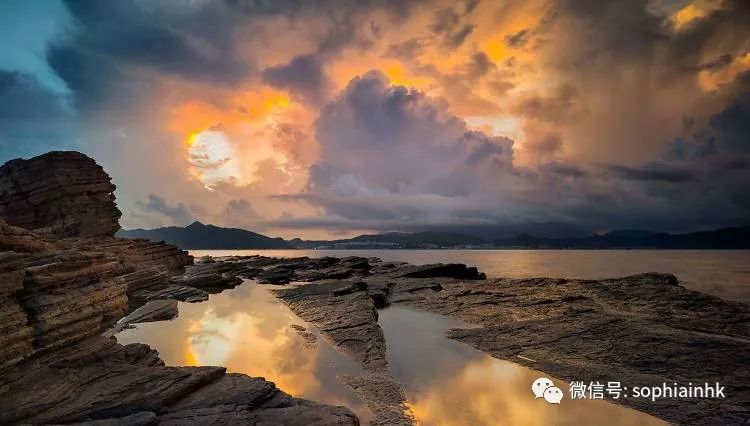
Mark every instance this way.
x=249 y=331
x=449 y=383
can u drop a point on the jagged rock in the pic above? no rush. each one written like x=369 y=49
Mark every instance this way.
x=142 y=418
x=101 y=381
x=239 y=399
x=62 y=194
x=18 y=239
x=154 y=310
x=307 y=336
x=277 y=275
x=71 y=295
x=176 y=292
x=439 y=270
x=136 y=254
x=345 y=314
x=68 y=279
x=16 y=336
x=217 y=276
x=643 y=330
x=384 y=396
x=347 y=318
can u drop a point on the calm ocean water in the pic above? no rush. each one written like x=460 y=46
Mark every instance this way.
x=723 y=273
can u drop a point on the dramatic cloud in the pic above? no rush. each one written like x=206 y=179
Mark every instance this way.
x=304 y=77
x=33 y=120
x=309 y=118
x=178 y=213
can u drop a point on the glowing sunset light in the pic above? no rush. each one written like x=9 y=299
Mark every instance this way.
x=318 y=101
x=695 y=10
x=211 y=156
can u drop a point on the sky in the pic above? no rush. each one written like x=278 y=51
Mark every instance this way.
x=331 y=118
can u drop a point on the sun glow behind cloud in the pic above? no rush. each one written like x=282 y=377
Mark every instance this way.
x=211 y=157
x=228 y=114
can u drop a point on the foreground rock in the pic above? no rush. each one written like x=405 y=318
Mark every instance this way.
x=61 y=194
x=101 y=381
x=640 y=330
x=65 y=280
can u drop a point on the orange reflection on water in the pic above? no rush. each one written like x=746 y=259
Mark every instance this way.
x=248 y=331
x=451 y=384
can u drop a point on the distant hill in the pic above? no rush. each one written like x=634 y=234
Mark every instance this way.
x=200 y=236
x=726 y=238
x=429 y=239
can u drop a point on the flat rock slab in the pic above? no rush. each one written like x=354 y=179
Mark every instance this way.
x=345 y=314
x=103 y=382
x=642 y=330
x=639 y=330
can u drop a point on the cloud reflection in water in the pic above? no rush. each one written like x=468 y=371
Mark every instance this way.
x=248 y=331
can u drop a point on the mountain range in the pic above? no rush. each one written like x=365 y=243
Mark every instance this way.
x=209 y=237
x=200 y=236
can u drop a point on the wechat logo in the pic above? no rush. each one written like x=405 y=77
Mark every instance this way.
x=544 y=388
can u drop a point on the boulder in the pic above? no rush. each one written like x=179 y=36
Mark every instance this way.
x=440 y=270
x=61 y=194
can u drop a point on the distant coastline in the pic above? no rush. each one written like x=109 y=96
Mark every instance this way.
x=210 y=237
x=207 y=237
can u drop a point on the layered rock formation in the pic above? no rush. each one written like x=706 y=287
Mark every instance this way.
x=62 y=287
x=642 y=330
x=65 y=280
x=61 y=194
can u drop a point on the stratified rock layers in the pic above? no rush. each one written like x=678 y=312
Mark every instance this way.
x=64 y=280
x=61 y=194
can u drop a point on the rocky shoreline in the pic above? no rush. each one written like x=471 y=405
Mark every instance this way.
x=65 y=281
x=65 y=292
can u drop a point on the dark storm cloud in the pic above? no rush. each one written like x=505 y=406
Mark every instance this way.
x=111 y=36
x=715 y=64
x=655 y=172
x=179 y=213
x=304 y=77
x=479 y=66
x=557 y=106
x=194 y=42
x=625 y=28
x=393 y=158
x=470 y=5
x=485 y=148
x=449 y=25
x=724 y=29
x=240 y=213
x=546 y=146
x=733 y=123
x=457 y=39
x=517 y=39
x=564 y=169
x=32 y=119
x=21 y=98
x=301 y=8
x=396 y=139
x=410 y=48
x=445 y=21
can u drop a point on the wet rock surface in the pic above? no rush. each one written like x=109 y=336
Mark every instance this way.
x=641 y=330
x=65 y=281
x=104 y=382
